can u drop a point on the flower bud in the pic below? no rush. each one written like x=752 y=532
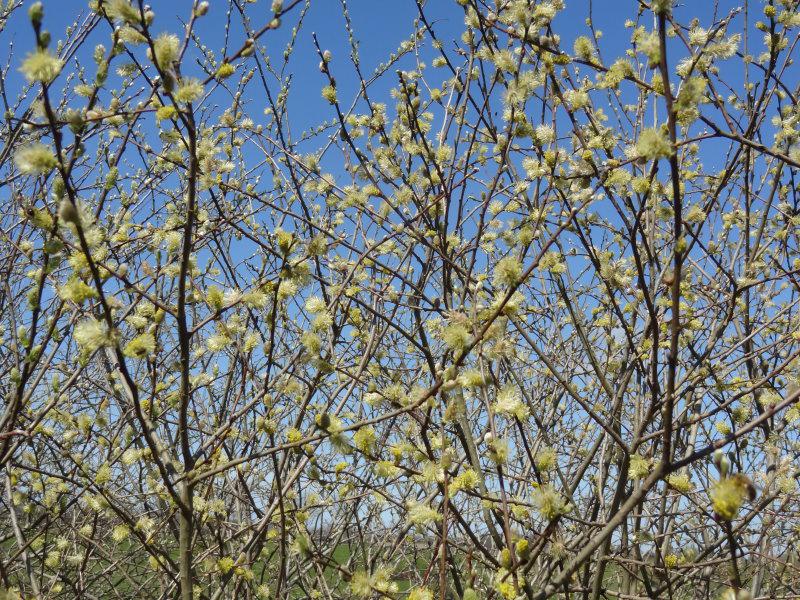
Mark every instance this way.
x=721 y=462
x=523 y=549
x=323 y=421
x=36 y=13
x=67 y=212
x=504 y=558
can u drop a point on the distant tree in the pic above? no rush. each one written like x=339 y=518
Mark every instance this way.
x=526 y=327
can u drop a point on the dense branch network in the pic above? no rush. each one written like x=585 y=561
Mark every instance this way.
x=512 y=319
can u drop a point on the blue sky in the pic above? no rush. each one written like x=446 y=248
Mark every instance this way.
x=379 y=28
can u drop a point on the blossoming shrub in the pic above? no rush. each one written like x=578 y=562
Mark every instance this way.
x=511 y=312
